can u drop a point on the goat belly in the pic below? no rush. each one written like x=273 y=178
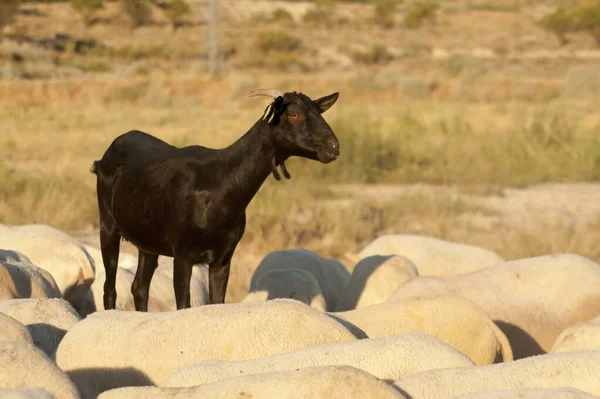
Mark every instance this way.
x=150 y=241
x=145 y=230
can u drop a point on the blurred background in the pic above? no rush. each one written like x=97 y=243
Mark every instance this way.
x=474 y=121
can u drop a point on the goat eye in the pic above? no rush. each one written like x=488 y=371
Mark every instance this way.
x=294 y=116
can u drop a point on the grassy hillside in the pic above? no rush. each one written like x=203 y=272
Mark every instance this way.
x=477 y=97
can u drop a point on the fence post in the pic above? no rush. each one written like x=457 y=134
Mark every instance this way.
x=213 y=39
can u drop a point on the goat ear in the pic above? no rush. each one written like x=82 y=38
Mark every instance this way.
x=324 y=103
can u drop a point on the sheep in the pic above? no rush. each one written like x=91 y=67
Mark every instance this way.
x=161 y=297
x=11 y=256
x=578 y=370
x=451 y=319
x=433 y=257
x=26 y=393
x=178 y=338
x=190 y=202
x=388 y=359
x=198 y=284
x=48 y=320
x=94 y=302
x=296 y=284
x=582 y=336
x=56 y=252
x=19 y=278
x=25 y=366
x=126 y=260
x=333 y=382
x=532 y=300
x=331 y=275
x=12 y=330
x=373 y=280
x=531 y=393
x=161 y=290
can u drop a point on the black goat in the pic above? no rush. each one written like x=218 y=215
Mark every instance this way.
x=190 y=203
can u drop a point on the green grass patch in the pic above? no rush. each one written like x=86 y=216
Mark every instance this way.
x=538 y=147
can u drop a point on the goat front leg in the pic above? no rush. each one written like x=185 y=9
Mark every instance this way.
x=218 y=275
x=140 y=288
x=182 y=274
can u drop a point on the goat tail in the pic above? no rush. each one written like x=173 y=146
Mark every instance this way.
x=94 y=168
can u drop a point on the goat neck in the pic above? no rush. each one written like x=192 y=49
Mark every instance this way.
x=249 y=161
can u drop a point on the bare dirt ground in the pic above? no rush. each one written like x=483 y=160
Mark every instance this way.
x=555 y=203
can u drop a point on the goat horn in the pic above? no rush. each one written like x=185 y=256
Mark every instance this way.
x=266 y=92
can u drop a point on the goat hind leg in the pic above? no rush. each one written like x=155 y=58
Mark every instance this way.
x=110 y=244
x=140 y=288
x=182 y=274
x=217 y=283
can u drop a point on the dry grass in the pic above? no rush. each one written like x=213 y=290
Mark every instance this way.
x=49 y=150
x=460 y=102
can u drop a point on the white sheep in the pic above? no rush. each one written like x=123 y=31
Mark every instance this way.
x=388 y=359
x=579 y=337
x=580 y=370
x=25 y=366
x=433 y=257
x=331 y=274
x=198 y=284
x=531 y=393
x=12 y=330
x=56 y=252
x=94 y=301
x=19 y=278
x=295 y=284
x=47 y=320
x=162 y=295
x=532 y=300
x=452 y=319
x=333 y=382
x=374 y=279
x=139 y=348
x=25 y=393
x=126 y=260
x=11 y=256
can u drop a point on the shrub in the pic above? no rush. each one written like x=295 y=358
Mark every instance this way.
x=276 y=48
x=560 y=22
x=383 y=13
x=323 y=13
x=175 y=11
x=8 y=8
x=318 y=15
x=87 y=8
x=137 y=11
x=376 y=54
x=326 y=3
x=419 y=12
x=587 y=18
x=277 y=40
x=281 y=15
